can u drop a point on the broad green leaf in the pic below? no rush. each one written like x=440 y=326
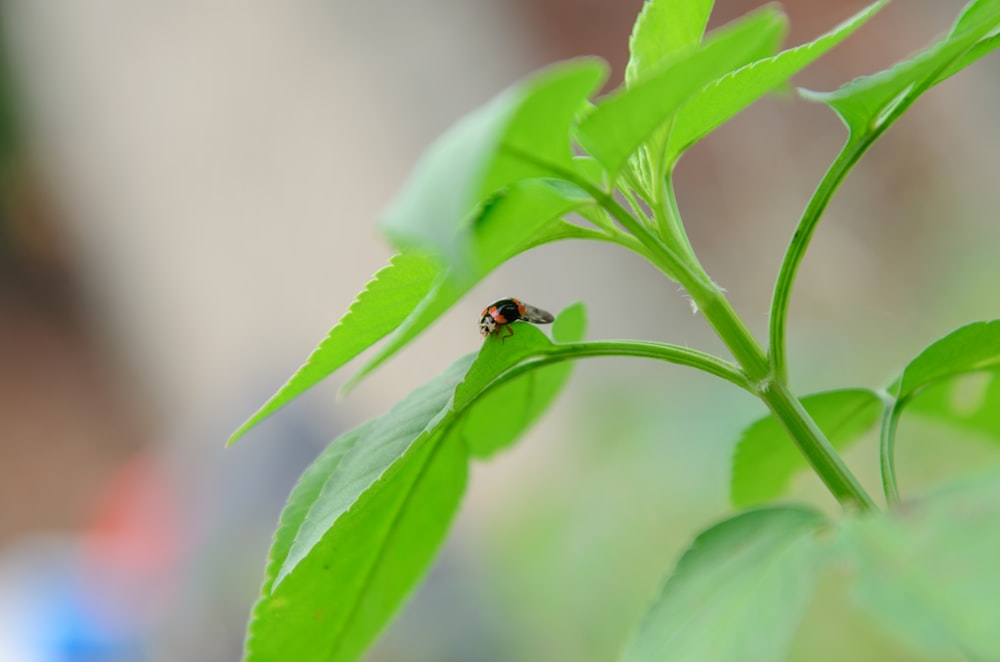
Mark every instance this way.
x=765 y=459
x=386 y=301
x=266 y=621
x=483 y=154
x=867 y=104
x=738 y=593
x=928 y=569
x=727 y=96
x=970 y=401
x=527 y=207
x=343 y=594
x=501 y=416
x=971 y=348
x=623 y=121
x=663 y=29
x=366 y=518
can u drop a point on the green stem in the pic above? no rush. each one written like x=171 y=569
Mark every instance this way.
x=848 y=156
x=858 y=142
x=816 y=448
x=887 y=452
x=675 y=354
x=674 y=213
x=709 y=298
x=714 y=305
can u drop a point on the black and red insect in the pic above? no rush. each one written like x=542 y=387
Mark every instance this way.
x=501 y=313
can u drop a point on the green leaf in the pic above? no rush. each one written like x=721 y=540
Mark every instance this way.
x=729 y=95
x=366 y=518
x=479 y=156
x=971 y=348
x=502 y=230
x=971 y=16
x=928 y=570
x=867 y=105
x=765 y=460
x=623 y=121
x=970 y=401
x=664 y=29
x=738 y=593
x=507 y=411
x=386 y=301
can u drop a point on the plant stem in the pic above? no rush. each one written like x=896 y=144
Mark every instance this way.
x=848 y=156
x=816 y=448
x=675 y=354
x=714 y=305
x=887 y=453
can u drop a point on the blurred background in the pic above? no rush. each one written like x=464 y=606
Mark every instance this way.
x=189 y=199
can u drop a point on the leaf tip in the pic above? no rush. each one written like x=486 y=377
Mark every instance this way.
x=246 y=426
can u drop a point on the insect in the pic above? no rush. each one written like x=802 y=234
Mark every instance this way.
x=504 y=311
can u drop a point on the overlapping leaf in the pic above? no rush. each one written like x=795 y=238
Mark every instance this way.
x=971 y=348
x=483 y=154
x=867 y=104
x=663 y=30
x=623 y=121
x=364 y=521
x=529 y=206
x=381 y=307
x=738 y=592
x=472 y=203
x=500 y=417
x=928 y=570
x=724 y=98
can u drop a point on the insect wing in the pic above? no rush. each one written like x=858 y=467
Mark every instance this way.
x=536 y=315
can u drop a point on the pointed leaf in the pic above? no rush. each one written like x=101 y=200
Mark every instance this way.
x=970 y=401
x=623 y=121
x=385 y=302
x=664 y=29
x=870 y=103
x=971 y=348
x=479 y=156
x=346 y=590
x=365 y=520
x=503 y=229
x=765 y=460
x=739 y=591
x=928 y=570
x=729 y=95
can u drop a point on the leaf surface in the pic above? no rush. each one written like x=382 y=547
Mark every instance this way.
x=505 y=226
x=868 y=104
x=970 y=348
x=738 y=593
x=663 y=29
x=364 y=521
x=386 y=301
x=727 y=96
x=482 y=154
x=623 y=121
x=970 y=402
x=928 y=570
